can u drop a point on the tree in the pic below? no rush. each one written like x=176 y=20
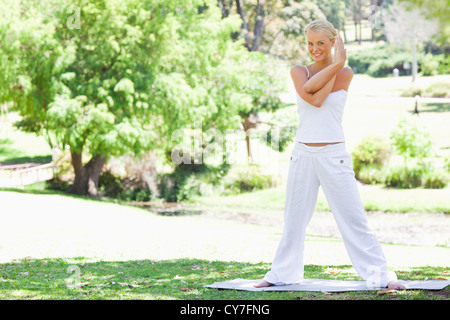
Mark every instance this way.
x=434 y=9
x=355 y=7
x=408 y=27
x=124 y=76
x=334 y=12
x=411 y=140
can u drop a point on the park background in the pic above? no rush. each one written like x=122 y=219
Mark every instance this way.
x=92 y=205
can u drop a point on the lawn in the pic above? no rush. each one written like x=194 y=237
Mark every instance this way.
x=19 y=147
x=62 y=247
x=177 y=279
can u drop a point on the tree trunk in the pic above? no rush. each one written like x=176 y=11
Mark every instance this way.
x=87 y=176
x=345 y=34
x=244 y=26
x=414 y=54
x=225 y=6
x=259 y=24
x=250 y=122
x=360 y=21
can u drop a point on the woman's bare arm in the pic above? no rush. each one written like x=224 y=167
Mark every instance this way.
x=321 y=78
x=298 y=75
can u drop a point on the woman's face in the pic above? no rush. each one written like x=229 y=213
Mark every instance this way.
x=319 y=46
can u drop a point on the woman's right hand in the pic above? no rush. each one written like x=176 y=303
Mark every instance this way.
x=340 y=54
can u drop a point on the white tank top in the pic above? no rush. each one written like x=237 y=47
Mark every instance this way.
x=322 y=124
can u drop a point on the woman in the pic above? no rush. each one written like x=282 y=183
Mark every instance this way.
x=319 y=158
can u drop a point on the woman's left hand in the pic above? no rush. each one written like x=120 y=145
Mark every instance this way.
x=340 y=54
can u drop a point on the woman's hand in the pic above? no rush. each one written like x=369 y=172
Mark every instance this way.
x=340 y=54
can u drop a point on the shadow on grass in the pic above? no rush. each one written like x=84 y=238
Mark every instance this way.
x=13 y=155
x=157 y=208
x=35 y=159
x=83 y=278
x=434 y=107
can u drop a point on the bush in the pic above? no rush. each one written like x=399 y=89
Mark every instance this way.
x=435 y=90
x=411 y=139
x=399 y=177
x=383 y=67
x=438 y=90
x=429 y=65
x=435 y=180
x=248 y=178
x=447 y=163
x=381 y=60
x=193 y=186
x=362 y=59
x=412 y=91
x=172 y=187
x=372 y=152
x=443 y=63
x=415 y=177
x=371 y=175
x=188 y=180
x=125 y=189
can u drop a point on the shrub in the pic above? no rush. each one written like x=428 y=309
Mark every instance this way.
x=248 y=178
x=371 y=175
x=125 y=189
x=362 y=59
x=429 y=66
x=412 y=91
x=171 y=185
x=109 y=185
x=385 y=66
x=372 y=152
x=415 y=177
x=188 y=180
x=444 y=63
x=435 y=180
x=381 y=60
x=193 y=186
x=398 y=177
x=438 y=90
x=447 y=163
x=411 y=139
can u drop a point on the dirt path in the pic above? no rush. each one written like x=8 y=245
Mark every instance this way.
x=429 y=229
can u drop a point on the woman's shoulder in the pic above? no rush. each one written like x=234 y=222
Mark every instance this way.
x=346 y=71
x=344 y=77
x=298 y=68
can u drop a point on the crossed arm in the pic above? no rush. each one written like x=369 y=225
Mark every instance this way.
x=317 y=88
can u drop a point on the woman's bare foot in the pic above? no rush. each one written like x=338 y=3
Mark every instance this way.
x=395 y=285
x=262 y=284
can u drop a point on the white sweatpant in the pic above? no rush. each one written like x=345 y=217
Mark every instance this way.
x=330 y=167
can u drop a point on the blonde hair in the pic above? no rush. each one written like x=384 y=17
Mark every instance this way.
x=322 y=25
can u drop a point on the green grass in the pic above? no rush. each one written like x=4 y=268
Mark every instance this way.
x=124 y=252
x=86 y=279
x=20 y=147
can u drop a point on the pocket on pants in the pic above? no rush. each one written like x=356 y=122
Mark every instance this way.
x=294 y=156
x=342 y=162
